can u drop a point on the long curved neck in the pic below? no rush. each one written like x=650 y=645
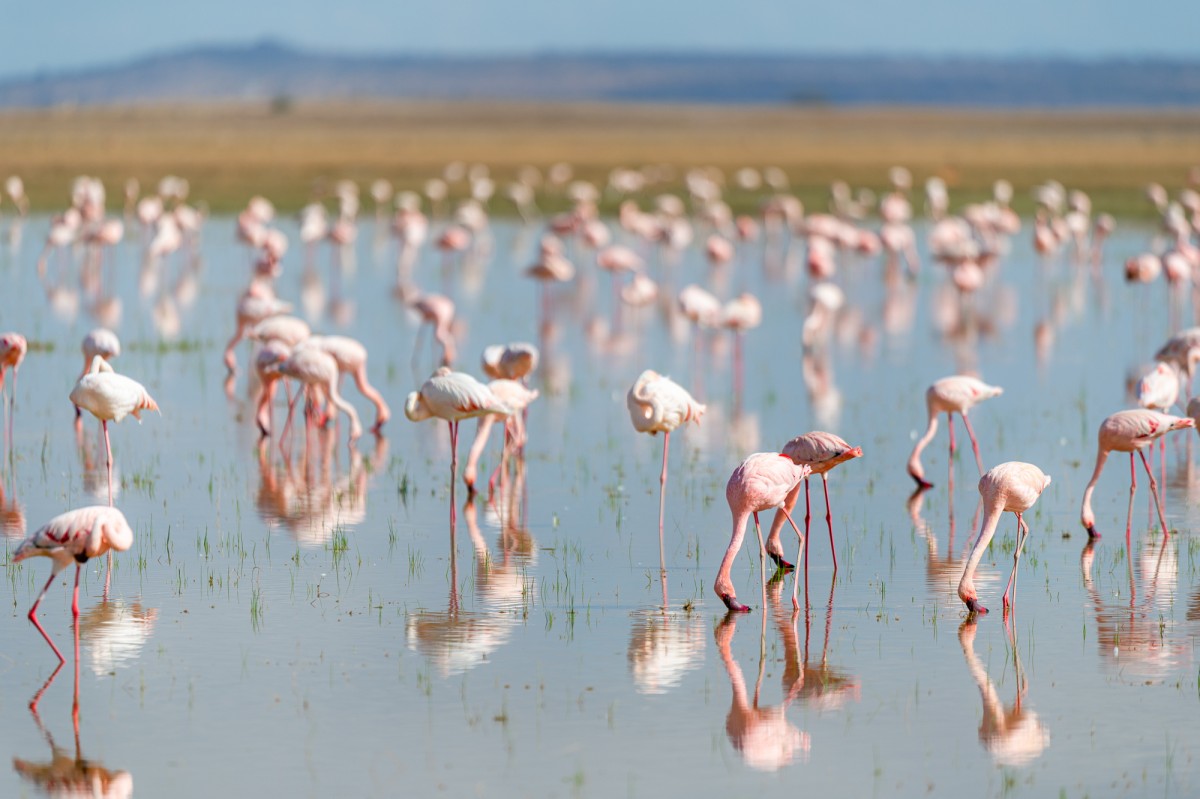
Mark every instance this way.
x=735 y=543
x=985 y=537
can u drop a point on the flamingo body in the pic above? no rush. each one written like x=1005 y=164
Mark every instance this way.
x=1014 y=487
x=955 y=394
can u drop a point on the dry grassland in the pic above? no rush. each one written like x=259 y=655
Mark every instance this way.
x=230 y=152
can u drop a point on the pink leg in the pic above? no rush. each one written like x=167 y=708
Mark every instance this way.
x=1012 y=577
x=108 y=462
x=453 y=468
x=950 y=427
x=75 y=598
x=662 y=483
x=974 y=443
x=33 y=618
x=807 y=528
x=1154 y=493
x=829 y=520
x=762 y=561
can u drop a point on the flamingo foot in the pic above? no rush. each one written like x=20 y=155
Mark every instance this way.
x=1092 y=532
x=734 y=606
x=781 y=563
x=922 y=483
x=973 y=606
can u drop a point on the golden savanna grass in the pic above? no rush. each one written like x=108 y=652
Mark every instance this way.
x=291 y=151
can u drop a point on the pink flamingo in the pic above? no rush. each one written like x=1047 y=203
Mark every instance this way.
x=110 y=397
x=514 y=361
x=452 y=396
x=1130 y=431
x=257 y=303
x=102 y=342
x=351 y=358
x=658 y=404
x=1013 y=486
x=517 y=397
x=759 y=483
x=821 y=452
x=740 y=314
x=12 y=351
x=956 y=394
x=438 y=311
x=313 y=368
x=76 y=535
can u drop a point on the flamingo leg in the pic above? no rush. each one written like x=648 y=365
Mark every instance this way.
x=75 y=598
x=829 y=518
x=762 y=561
x=662 y=483
x=974 y=442
x=950 y=427
x=108 y=459
x=1022 y=535
x=108 y=575
x=453 y=468
x=1154 y=492
x=807 y=528
x=33 y=618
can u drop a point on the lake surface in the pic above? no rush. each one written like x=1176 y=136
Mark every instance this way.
x=311 y=626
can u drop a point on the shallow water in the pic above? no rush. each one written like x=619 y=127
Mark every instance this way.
x=309 y=625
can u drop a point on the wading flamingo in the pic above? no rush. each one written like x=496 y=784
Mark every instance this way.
x=821 y=452
x=102 y=342
x=1130 y=431
x=110 y=397
x=517 y=397
x=759 y=483
x=313 y=368
x=1013 y=487
x=658 y=404
x=452 y=396
x=76 y=535
x=12 y=351
x=950 y=395
x=438 y=311
x=351 y=358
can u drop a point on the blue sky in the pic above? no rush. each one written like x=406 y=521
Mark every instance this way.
x=67 y=35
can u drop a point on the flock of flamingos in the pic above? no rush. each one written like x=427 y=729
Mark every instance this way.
x=285 y=351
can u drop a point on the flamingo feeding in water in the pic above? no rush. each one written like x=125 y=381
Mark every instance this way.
x=658 y=404
x=1013 y=486
x=1130 y=431
x=759 y=483
x=821 y=452
x=950 y=395
x=76 y=535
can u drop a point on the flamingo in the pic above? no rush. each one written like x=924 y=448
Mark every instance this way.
x=316 y=369
x=513 y=361
x=12 y=351
x=955 y=394
x=438 y=311
x=110 y=397
x=256 y=304
x=1013 y=486
x=452 y=396
x=102 y=342
x=76 y=535
x=517 y=397
x=759 y=483
x=821 y=452
x=1130 y=431
x=658 y=404
x=351 y=358
x=740 y=314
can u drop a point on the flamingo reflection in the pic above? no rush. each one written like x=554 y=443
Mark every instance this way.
x=457 y=640
x=763 y=736
x=806 y=680
x=1012 y=735
x=663 y=647
x=1134 y=632
x=67 y=775
x=312 y=497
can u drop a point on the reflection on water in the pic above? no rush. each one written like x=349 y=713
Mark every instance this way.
x=312 y=497
x=942 y=573
x=1012 y=735
x=663 y=647
x=763 y=736
x=808 y=680
x=1135 y=632
x=114 y=633
x=12 y=515
x=457 y=640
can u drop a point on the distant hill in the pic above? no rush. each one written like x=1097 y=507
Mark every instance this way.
x=273 y=71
